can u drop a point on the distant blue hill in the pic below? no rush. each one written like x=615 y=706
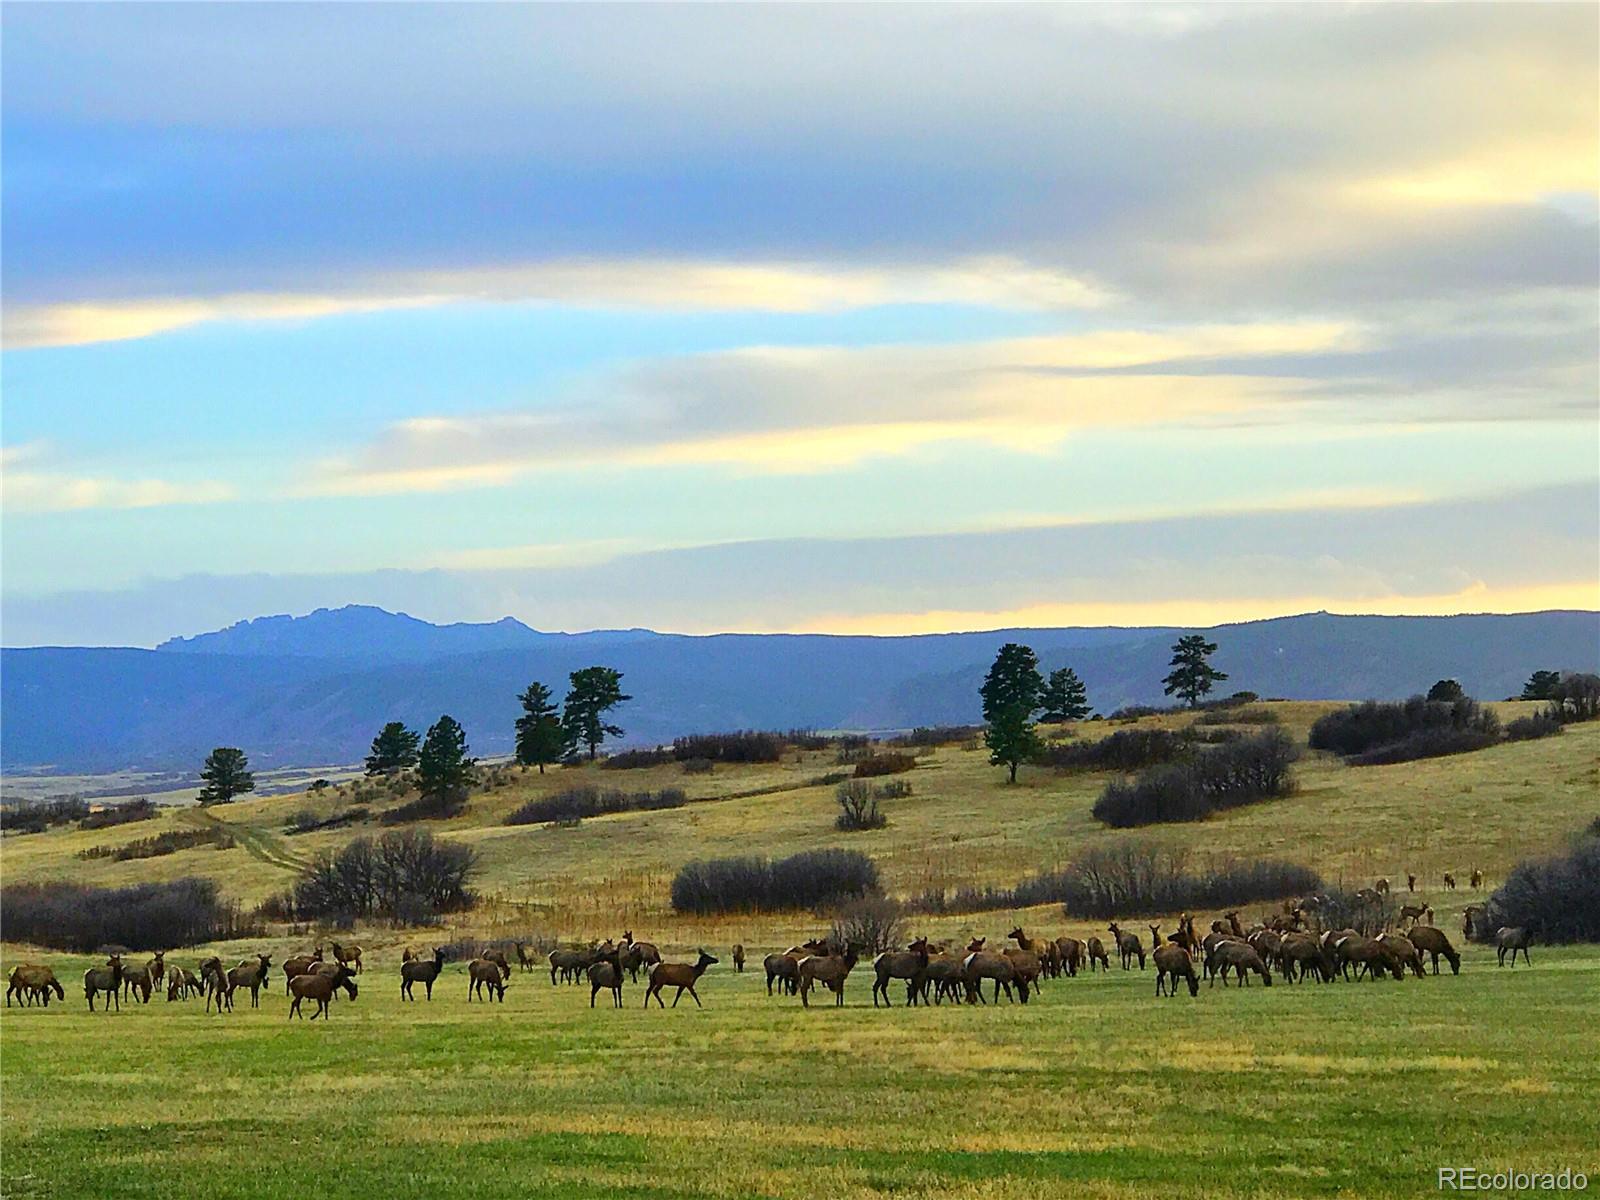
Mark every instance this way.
x=314 y=689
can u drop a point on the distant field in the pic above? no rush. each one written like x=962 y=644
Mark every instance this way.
x=1096 y=1088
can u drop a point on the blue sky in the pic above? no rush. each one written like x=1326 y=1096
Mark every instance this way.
x=593 y=315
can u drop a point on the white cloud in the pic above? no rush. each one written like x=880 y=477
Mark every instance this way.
x=25 y=488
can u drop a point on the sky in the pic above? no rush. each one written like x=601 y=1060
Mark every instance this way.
x=842 y=318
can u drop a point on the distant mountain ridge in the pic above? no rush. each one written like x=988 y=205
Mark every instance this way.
x=313 y=689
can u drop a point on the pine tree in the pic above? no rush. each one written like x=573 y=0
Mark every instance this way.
x=444 y=772
x=226 y=774
x=540 y=737
x=1446 y=691
x=591 y=693
x=393 y=750
x=1541 y=685
x=1192 y=676
x=1011 y=695
x=1064 y=698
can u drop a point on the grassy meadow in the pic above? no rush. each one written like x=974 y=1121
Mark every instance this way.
x=1094 y=1088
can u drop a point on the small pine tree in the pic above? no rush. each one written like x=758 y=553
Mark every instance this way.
x=1446 y=691
x=540 y=736
x=591 y=693
x=444 y=772
x=1192 y=676
x=393 y=750
x=1064 y=698
x=226 y=774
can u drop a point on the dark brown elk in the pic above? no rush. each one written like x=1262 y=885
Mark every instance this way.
x=423 y=971
x=630 y=958
x=1129 y=947
x=252 y=975
x=498 y=957
x=320 y=986
x=182 y=983
x=1471 y=912
x=107 y=979
x=1368 y=955
x=944 y=979
x=1095 y=950
x=1402 y=953
x=830 y=970
x=1449 y=882
x=1510 y=939
x=1414 y=913
x=1070 y=953
x=649 y=955
x=1381 y=887
x=34 y=981
x=1240 y=957
x=1300 y=953
x=607 y=974
x=485 y=973
x=1027 y=966
x=136 y=983
x=348 y=955
x=1236 y=929
x=985 y=964
x=157 y=967
x=1476 y=879
x=218 y=987
x=910 y=964
x=682 y=976
x=784 y=969
x=1430 y=940
x=1173 y=960
x=299 y=964
x=1411 y=882
x=525 y=960
x=738 y=957
x=1186 y=936
x=568 y=964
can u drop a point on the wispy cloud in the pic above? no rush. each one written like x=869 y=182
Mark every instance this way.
x=29 y=485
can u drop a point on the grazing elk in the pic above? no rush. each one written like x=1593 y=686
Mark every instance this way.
x=252 y=975
x=1241 y=958
x=1070 y=954
x=136 y=983
x=1300 y=953
x=525 y=960
x=607 y=973
x=830 y=970
x=1367 y=954
x=1128 y=947
x=944 y=977
x=486 y=973
x=498 y=957
x=738 y=957
x=182 y=984
x=568 y=964
x=1449 y=882
x=1510 y=939
x=33 y=981
x=981 y=964
x=107 y=979
x=1432 y=941
x=1172 y=959
x=1402 y=953
x=423 y=971
x=682 y=976
x=910 y=964
x=299 y=964
x=348 y=955
x=320 y=986
x=1095 y=949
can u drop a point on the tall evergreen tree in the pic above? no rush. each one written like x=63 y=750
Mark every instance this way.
x=393 y=750
x=591 y=693
x=226 y=774
x=444 y=771
x=1541 y=685
x=540 y=737
x=1011 y=695
x=1192 y=676
x=1064 y=698
x=1446 y=691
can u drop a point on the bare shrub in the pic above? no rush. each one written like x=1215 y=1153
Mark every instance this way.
x=146 y=916
x=858 y=807
x=886 y=763
x=875 y=924
x=374 y=877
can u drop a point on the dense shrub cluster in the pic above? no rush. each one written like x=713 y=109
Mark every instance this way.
x=886 y=763
x=812 y=879
x=1125 y=750
x=1241 y=772
x=400 y=874
x=629 y=760
x=1362 y=728
x=113 y=815
x=574 y=804
x=307 y=820
x=1429 y=743
x=1242 y=715
x=37 y=816
x=1137 y=877
x=1133 y=712
x=744 y=746
x=147 y=916
x=698 y=766
x=1526 y=729
x=440 y=806
x=163 y=843
x=1557 y=899
x=807 y=739
x=1575 y=697
x=938 y=735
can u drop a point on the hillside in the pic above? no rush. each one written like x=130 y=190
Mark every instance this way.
x=313 y=690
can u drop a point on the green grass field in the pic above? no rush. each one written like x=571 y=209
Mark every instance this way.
x=1094 y=1088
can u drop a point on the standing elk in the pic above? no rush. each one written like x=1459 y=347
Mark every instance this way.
x=1432 y=941
x=1449 y=882
x=1128 y=947
x=299 y=964
x=1382 y=886
x=1070 y=954
x=682 y=976
x=738 y=957
x=830 y=970
x=1413 y=913
x=525 y=961
x=1096 y=951
x=1411 y=882
x=107 y=979
x=252 y=975
x=320 y=986
x=607 y=974
x=31 y=981
x=1475 y=881
x=1402 y=953
x=1510 y=939
x=943 y=977
x=1242 y=958
x=981 y=964
x=348 y=955
x=423 y=971
x=649 y=954
x=910 y=964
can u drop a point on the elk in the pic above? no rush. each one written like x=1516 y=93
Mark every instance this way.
x=738 y=957
x=1242 y=958
x=944 y=976
x=1027 y=966
x=649 y=955
x=219 y=987
x=107 y=979
x=567 y=963
x=1476 y=879
x=1128 y=946
x=348 y=955
x=830 y=970
x=1429 y=940
x=1511 y=939
x=299 y=964
x=1172 y=959
x=1185 y=936
x=320 y=986
x=485 y=973
x=30 y=981
x=157 y=967
x=682 y=976
x=183 y=984
x=1415 y=912
x=1449 y=882
x=630 y=958
x=252 y=975
x=607 y=973
x=136 y=983
x=525 y=961
x=1402 y=953
x=1070 y=952
x=910 y=964
x=981 y=964
x=1382 y=886
x=1411 y=882
x=498 y=957
x=1368 y=954
x=1302 y=952
x=423 y=971
x=1467 y=915
x=785 y=967
x=1096 y=951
